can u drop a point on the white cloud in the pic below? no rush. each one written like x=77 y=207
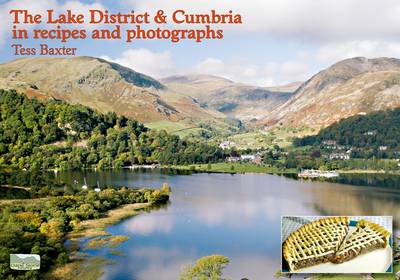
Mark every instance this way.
x=269 y=74
x=236 y=71
x=332 y=53
x=333 y=30
x=324 y=20
x=80 y=8
x=300 y=68
x=212 y=66
x=155 y=64
x=292 y=71
x=40 y=7
x=161 y=64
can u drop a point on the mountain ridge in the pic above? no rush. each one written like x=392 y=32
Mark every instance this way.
x=349 y=87
x=237 y=100
x=101 y=85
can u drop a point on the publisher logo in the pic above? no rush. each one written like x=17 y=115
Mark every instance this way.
x=24 y=261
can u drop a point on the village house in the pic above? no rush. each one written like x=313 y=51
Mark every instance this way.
x=341 y=156
x=226 y=144
x=257 y=159
x=329 y=142
x=332 y=145
x=247 y=157
x=370 y=133
x=233 y=159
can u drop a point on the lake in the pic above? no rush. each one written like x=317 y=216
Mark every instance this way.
x=234 y=215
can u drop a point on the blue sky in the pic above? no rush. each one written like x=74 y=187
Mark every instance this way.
x=280 y=41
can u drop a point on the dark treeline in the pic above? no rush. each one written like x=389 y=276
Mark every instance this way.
x=312 y=158
x=373 y=135
x=17 y=184
x=54 y=134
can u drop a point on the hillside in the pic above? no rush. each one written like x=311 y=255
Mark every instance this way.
x=235 y=100
x=103 y=86
x=349 y=87
x=375 y=134
x=54 y=134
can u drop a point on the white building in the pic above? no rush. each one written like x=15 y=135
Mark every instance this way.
x=226 y=144
x=233 y=159
x=247 y=157
x=342 y=156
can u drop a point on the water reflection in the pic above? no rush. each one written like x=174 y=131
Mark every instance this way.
x=147 y=224
x=376 y=180
x=234 y=215
x=357 y=201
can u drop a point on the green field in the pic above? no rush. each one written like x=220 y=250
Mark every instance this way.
x=169 y=126
x=281 y=136
x=183 y=129
x=251 y=140
x=225 y=167
x=243 y=139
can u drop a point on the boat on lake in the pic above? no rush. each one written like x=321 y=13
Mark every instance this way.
x=98 y=187
x=144 y=166
x=84 y=186
x=312 y=173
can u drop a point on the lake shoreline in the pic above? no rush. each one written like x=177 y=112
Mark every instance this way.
x=245 y=168
x=91 y=267
x=192 y=192
x=96 y=227
x=238 y=168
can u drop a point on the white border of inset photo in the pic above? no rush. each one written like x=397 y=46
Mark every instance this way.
x=363 y=263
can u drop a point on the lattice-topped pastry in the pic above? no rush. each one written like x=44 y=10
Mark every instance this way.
x=366 y=237
x=315 y=243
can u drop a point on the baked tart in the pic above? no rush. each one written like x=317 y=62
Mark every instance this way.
x=315 y=243
x=366 y=237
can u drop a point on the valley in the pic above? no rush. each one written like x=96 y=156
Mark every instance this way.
x=204 y=110
x=65 y=121
x=199 y=140
x=235 y=100
x=190 y=104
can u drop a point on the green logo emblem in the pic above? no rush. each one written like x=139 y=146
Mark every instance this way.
x=24 y=261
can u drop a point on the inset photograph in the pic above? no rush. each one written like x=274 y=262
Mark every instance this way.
x=337 y=244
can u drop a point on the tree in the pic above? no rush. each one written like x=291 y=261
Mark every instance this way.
x=53 y=228
x=62 y=258
x=206 y=268
x=54 y=134
x=166 y=189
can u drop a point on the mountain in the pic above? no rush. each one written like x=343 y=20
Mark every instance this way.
x=235 y=100
x=103 y=86
x=349 y=87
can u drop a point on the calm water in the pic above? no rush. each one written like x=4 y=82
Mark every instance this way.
x=234 y=215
